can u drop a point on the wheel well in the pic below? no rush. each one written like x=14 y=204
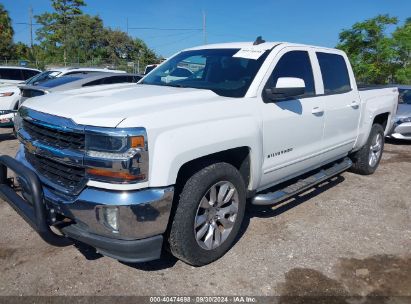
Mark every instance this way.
x=238 y=157
x=382 y=119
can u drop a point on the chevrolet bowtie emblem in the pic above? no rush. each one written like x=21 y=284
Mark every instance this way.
x=30 y=147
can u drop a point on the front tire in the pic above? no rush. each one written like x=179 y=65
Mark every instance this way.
x=208 y=215
x=367 y=159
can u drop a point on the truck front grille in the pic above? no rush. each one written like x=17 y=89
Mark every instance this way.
x=53 y=137
x=67 y=176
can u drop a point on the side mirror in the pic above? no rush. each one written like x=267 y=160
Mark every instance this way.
x=286 y=87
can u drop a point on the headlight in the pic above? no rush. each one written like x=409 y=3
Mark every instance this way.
x=403 y=119
x=120 y=155
x=17 y=121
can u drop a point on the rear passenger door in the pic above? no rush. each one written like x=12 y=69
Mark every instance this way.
x=341 y=104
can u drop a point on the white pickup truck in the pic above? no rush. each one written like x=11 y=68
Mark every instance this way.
x=170 y=162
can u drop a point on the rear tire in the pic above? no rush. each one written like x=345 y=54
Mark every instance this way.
x=211 y=205
x=366 y=160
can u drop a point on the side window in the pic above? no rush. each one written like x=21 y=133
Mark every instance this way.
x=295 y=64
x=334 y=73
x=29 y=73
x=94 y=82
x=116 y=79
x=11 y=74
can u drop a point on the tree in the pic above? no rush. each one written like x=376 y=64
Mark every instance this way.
x=402 y=44
x=21 y=51
x=6 y=34
x=119 y=47
x=85 y=37
x=55 y=25
x=370 y=51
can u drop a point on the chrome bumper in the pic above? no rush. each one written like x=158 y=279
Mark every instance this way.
x=40 y=216
x=141 y=213
x=401 y=131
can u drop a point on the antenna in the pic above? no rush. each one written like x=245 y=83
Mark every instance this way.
x=259 y=40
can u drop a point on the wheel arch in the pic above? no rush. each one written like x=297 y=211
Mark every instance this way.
x=382 y=119
x=237 y=157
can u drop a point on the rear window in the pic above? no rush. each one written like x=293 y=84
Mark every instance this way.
x=334 y=73
x=112 y=80
x=29 y=73
x=11 y=74
x=405 y=96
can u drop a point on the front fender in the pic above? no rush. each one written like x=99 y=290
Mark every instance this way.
x=171 y=149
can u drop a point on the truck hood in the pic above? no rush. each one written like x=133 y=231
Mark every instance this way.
x=109 y=105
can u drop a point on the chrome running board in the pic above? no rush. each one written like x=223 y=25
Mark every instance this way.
x=275 y=197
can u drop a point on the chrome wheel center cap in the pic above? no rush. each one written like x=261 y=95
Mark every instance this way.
x=212 y=214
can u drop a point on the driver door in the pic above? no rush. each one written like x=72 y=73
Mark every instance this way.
x=293 y=127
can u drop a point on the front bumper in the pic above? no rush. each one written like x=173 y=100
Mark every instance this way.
x=143 y=215
x=6 y=118
x=401 y=131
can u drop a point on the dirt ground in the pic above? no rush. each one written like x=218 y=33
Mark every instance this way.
x=351 y=236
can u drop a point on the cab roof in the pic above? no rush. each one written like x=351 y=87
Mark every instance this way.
x=18 y=68
x=268 y=45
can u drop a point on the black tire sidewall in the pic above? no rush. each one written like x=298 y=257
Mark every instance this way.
x=182 y=240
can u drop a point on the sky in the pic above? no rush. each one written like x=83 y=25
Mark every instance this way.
x=316 y=22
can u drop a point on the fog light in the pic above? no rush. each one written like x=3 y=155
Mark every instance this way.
x=111 y=218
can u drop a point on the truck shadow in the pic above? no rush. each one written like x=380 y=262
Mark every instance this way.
x=7 y=136
x=397 y=142
x=167 y=260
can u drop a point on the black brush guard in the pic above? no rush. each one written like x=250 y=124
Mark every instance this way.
x=33 y=212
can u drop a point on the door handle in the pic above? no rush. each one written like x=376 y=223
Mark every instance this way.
x=354 y=105
x=317 y=111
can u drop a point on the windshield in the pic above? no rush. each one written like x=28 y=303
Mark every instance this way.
x=46 y=75
x=405 y=96
x=212 y=69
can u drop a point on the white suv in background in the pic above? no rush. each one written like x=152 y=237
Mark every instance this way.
x=10 y=95
x=13 y=75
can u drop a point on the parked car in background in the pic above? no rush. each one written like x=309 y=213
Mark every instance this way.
x=149 y=68
x=402 y=120
x=73 y=82
x=10 y=75
x=171 y=163
x=10 y=95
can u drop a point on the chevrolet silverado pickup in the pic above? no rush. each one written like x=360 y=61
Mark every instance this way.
x=170 y=162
